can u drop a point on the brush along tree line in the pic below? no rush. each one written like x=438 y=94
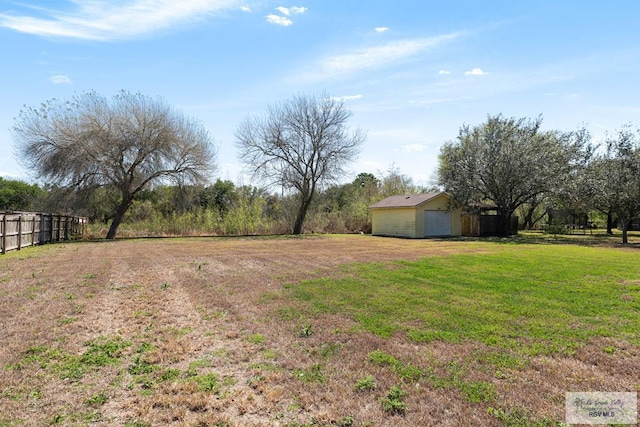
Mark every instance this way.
x=106 y=156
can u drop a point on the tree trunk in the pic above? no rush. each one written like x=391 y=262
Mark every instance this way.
x=625 y=226
x=527 y=224
x=505 y=222
x=609 y=223
x=302 y=213
x=117 y=219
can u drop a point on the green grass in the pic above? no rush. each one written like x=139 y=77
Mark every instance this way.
x=256 y=339
x=532 y=299
x=393 y=402
x=100 y=352
x=313 y=374
x=207 y=382
x=367 y=383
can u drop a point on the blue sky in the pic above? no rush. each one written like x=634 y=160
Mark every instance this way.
x=412 y=72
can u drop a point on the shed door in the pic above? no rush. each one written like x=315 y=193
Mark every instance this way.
x=437 y=223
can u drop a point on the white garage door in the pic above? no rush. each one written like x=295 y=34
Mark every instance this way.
x=437 y=223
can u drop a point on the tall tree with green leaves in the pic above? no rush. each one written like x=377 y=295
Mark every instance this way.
x=508 y=162
x=16 y=195
x=301 y=145
x=615 y=178
x=126 y=143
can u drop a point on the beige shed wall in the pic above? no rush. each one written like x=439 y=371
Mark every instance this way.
x=394 y=222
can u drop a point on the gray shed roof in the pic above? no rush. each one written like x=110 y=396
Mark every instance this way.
x=405 y=201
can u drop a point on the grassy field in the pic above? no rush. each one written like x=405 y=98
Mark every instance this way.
x=315 y=331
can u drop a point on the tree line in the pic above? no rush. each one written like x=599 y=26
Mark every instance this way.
x=221 y=208
x=137 y=157
x=512 y=164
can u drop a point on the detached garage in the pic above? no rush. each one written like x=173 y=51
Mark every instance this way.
x=416 y=216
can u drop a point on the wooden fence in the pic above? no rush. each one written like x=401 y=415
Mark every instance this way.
x=486 y=225
x=22 y=229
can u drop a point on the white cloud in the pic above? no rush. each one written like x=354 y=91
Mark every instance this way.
x=245 y=9
x=475 y=72
x=381 y=29
x=279 y=20
x=291 y=10
x=413 y=148
x=60 y=79
x=286 y=11
x=378 y=56
x=444 y=72
x=347 y=97
x=102 y=20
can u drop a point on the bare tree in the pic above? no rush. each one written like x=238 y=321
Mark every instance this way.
x=299 y=144
x=127 y=143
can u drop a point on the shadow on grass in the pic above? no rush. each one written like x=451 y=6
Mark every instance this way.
x=540 y=238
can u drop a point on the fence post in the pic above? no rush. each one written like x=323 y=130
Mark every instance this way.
x=19 y=232
x=4 y=233
x=33 y=231
x=42 y=228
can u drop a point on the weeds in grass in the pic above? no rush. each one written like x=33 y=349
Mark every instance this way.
x=207 y=382
x=473 y=391
x=477 y=391
x=367 y=383
x=97 y=399
x=256 y=339
x=305 y=331
x=381 y=358
x=67 y=320
x=254 y=380
x=11 y=422
x=328 y=350
x=100 y=352
x=522 y=417
x=104 y=351
x=405 y=371
x=313 y=374
x=180 y=332
x=142 y=313
x=141 y=366
x=393 y=402
x=195 y=365
x=170 y=374
x=346 y=421
x=288 y=313
x=269 y=354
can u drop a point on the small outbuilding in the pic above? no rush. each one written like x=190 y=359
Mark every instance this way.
x=416 y=216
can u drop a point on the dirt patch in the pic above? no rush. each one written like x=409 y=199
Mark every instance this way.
x=211 y=339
